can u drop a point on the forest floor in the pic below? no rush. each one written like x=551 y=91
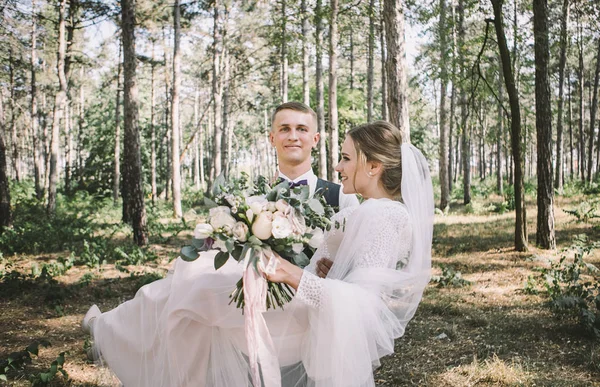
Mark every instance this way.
x=490 y=332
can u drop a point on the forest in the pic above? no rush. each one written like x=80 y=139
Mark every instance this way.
x=116 y=119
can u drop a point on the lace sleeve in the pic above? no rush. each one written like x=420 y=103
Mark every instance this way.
x=387 y=241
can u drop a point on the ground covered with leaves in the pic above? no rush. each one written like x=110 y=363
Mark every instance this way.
x=490 y=316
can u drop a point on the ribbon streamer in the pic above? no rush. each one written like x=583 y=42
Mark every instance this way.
x=261 y=349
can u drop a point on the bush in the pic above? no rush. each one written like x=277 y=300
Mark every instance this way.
x=450 y=277
x=573 y=286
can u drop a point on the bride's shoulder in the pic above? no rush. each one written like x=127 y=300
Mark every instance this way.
x=384 y=207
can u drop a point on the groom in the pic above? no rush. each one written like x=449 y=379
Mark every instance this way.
x=294 y=135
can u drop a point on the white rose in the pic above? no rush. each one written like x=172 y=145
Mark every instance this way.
x=203 y=231
x=271 y=207
x=263 y=225
x=283 y=206
x=240 y=231
x=257 y=204
x=220 y=217
x=297 y=247
x=282 y=228
x=317 y=238
x=249 y=214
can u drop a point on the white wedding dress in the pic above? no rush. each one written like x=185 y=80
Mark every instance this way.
x=181 y=331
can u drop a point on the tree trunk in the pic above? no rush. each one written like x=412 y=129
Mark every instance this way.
x=117 y=158
x=558 y=178
x=571 y=149
x=166 y=140
x=153 y=125
x=545 y=236
x=16 y=162
x=132 y=173
x=593 y=110
x=59 y=107
x=500 y=132
x=37 y=157
x=581 y=158
x=227 y=132
x=451 y=153
x=80 y=126
x=305 y=65
x=515 y=114
x=320 y=93
x=284 y=58
x=5 y=214
x=69 y=146
x=396 y=66
x=196 y=140
x=175 y=167
x=216 y=90
x=333 y=109
x=370 y=60
x=465 y=143
x=443 y=161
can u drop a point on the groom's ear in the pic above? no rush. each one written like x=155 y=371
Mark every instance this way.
x=316 y=138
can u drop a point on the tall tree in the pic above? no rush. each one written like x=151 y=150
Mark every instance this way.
x=153 y=123
x=37 y=158
x=5 y=214
x=593 y=110
x=500 y=132
x=382 y=40
x=333 y=107
x=464 y=124
x=396 y=66
x=545 y=236
x=443 y=151
x=117 y=157
x=284 y=58
x=305 y=66
x=132 y=173
x=580 y=75
x=558 y=179
x=175 y=130
x=217 y=90
x=515 y=125
x=59 y=108
x=320 y=93
x=370 y=60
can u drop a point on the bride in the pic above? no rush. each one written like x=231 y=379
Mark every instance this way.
x=181 y=331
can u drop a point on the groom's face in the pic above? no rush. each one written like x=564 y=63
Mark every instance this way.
x=293 y=134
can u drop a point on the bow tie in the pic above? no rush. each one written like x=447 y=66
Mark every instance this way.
x=293 y=184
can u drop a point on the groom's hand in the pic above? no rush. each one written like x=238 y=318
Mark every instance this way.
x=323 y=267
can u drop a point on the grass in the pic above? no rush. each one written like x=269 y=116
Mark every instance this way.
x=486 y=333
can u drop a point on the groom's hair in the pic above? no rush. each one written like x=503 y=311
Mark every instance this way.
x=297 y=107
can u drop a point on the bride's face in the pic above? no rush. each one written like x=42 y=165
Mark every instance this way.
x=353 y=174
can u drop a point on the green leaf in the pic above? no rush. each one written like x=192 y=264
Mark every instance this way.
x=33 y=348
x=230 y=245
x=3 y=377
x=237 y=252
x=254 y=241
x=198 y=243
x=209 y=203
x=45 y=377
x=189 y=253
x=220 y=259
x=301 y=260
x=316 y=206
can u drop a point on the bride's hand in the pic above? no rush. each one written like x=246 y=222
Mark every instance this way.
x=286 y=272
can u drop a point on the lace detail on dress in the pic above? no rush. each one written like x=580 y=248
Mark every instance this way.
x=387 y=238
x=310 y=289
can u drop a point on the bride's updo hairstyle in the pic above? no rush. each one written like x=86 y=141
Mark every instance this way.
x=381 y=141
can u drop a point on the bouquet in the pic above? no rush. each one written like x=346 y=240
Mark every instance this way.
x=248 y=221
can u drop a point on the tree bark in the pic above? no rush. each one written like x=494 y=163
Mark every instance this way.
x=284 y=58
x=545 y=235
x=320 y=93
x=175 y=166
x=333 y=109
x=16 y=162
x=370 y=60
x=117 y=158
x=593 y=110
x=132 y=173
x=227 y=132
x=580 y=74
x=195 y=140
x=59 y=107
x=500 y=132
x=382 y=40
x=443 y=150
x=37 y=157
x=558 y=178
x=5 y=214
x=153 y=124
x=515 y=113
x=305 y=65
x=396 y=66
x=571 y=148
x=451 y=153
x=465 y=143
x=216 y=90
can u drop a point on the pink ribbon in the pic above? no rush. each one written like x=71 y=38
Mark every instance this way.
x=260 y=344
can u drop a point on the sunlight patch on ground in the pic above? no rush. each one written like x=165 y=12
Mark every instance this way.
x=492 y=371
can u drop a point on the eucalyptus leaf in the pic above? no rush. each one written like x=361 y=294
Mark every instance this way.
x=189 y=253
x=209 y=203
x=230 y=245
x=254 y=240
x=198 y=243
x=301 y=260
x=3 y=377
x=220 y=259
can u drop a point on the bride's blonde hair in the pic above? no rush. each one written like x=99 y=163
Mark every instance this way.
x=381 y=141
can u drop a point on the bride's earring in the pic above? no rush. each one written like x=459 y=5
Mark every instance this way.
x=371 y=174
